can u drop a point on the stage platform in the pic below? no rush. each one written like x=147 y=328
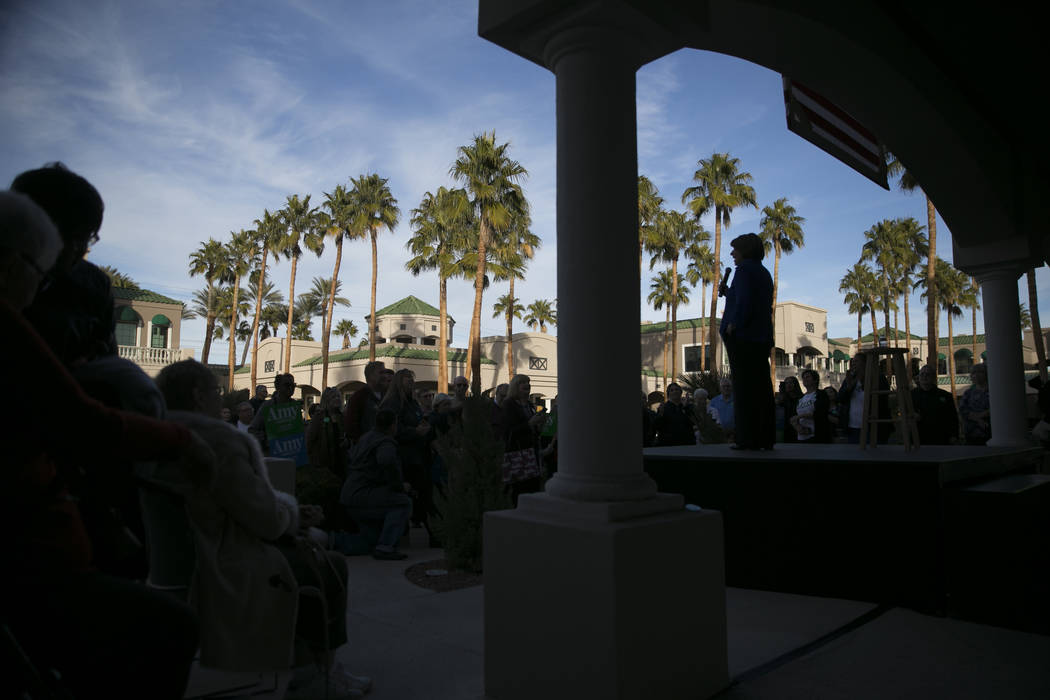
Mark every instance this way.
x=931 y=529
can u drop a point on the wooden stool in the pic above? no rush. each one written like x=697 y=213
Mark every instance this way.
x=904 y=419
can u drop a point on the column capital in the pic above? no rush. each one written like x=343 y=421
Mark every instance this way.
x=613 y=43
x=1010 y=270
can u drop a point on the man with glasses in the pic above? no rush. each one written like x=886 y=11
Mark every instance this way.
x=935 y=412
x=283 y=388
x=459 y=389
x=65 y=307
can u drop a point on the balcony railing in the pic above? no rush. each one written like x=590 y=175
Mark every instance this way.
x=150 y=356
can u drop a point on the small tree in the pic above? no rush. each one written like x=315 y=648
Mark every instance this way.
x=473 y=458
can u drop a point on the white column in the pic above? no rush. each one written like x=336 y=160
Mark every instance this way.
x=598 y=451
x=791 y=359
x=1002 y=333
x=149 y=334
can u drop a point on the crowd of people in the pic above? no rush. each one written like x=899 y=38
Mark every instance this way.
x=807 y=413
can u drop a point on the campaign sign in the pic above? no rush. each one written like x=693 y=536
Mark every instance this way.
x=284 y=431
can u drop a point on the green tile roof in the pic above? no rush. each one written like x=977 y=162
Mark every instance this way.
x=392 y=351
x=682 y=325
x=888 y=333
x=962 y=340
x=840 y=343
x=143 y=295
x=408 y=305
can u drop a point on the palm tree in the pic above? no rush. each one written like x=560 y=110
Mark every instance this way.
x=669 y=292
x=914 y=247
x=341 y=218
x=300 y=220
x=674 y=232
x=347 y=329
x=442 y=225
x=374 y=208
x=273 y=317
x=118 y=279
x=512 y=250
x=702 y=270
x=971 y=299
x=884 y=246
x=721 y=186
x=781 y=231
x=858 y=285
x=1037 y=328
x=948 y=290
x=660 y=297
x=307 y=306
x=649 y=205
x=208 y=260
x=508 y=307
x=908 y=183
x=271 y=298
x=227 y=312
x=491 y=180
x=241 y=256
x=1026 y=317
x=321 y=290
x=540 y=313
x=268 y=233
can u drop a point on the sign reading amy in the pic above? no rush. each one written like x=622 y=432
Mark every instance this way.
x=284 y=431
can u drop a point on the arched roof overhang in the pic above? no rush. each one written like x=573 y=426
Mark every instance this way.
x=960 y=120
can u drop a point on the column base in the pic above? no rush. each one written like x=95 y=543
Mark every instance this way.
x=583 y=601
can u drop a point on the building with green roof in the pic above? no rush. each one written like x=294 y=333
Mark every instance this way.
x=407 y=337
x=148 y=328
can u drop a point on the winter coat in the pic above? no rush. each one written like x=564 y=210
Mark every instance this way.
x=243 y=590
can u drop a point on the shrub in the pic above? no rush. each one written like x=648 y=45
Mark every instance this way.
x=473 y=457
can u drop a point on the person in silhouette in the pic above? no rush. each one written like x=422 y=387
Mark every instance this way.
x=747 y=332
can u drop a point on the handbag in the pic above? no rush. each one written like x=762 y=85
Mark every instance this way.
x=520 y=465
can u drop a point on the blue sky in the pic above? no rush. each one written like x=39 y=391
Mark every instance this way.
x=192 y=117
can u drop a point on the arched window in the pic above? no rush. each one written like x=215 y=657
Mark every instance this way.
x=127 y=328
x=161 y=327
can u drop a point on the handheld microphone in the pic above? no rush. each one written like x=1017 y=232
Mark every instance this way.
x=723 y=288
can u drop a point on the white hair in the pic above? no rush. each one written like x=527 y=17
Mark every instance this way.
x=700 y=394
x=26 y=228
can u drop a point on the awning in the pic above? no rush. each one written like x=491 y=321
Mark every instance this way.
x=161 y=320
x=984 y=354
x=963 y=351
x=127 y=315
x=839 y=355
x=941 y=356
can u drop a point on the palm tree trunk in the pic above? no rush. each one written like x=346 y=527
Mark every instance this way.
x=773 y=313
x=1037 y=328
x=716 y=359
x=973 y=313
x=667 y=324
x=886 y=304
x=244 y=352
x=255 y=325
x=951 y=354
x=372 y=332
x=209 y=324
x=703 y=303
x=874 y=329
x=475 y=321
x=510 y=332
x=907 y=331
x=896 y=329
x=442 y=336
x=326 y=326
x=674 y=319
x=233 y=333
x=931 y=301
x=291 y=308
x=860 y=315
